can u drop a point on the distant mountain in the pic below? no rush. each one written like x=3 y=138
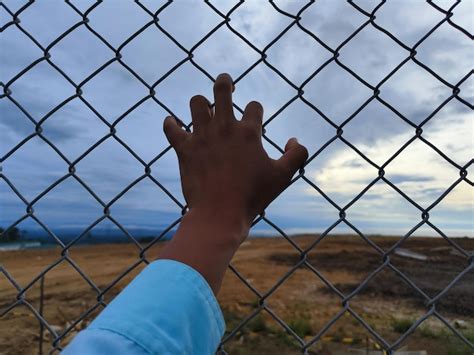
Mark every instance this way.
x=97 y=235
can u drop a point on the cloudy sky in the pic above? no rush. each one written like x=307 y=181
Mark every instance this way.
x=376 y=131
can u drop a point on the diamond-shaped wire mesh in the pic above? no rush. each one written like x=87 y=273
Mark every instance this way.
x=114 y=57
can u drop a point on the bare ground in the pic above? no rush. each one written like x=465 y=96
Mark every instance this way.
x=303 y=301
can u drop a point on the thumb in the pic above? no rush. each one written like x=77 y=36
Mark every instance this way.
x=173 y=131
x=294 y=157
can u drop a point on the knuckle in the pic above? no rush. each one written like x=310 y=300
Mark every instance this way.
x=303 y=152
x=250 y=131
x=222 y=84
x=224 y=130
x=198 y=139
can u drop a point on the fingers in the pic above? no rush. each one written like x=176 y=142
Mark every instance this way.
x=173 y=132
x=294 y=157
x=223 y=88
x=201 y=112
x=253 y=114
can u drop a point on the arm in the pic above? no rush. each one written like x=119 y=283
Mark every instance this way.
x=227 y=180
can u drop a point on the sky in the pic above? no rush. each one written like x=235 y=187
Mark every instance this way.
x=418 y=171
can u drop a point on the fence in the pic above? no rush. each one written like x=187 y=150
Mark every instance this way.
x=14 y=19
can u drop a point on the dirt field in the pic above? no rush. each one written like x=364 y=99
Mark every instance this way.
x=303 y=301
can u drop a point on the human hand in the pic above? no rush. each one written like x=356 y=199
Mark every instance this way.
x=227 y=180
x=225 y=171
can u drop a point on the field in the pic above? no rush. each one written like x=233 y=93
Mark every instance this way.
x=303 y=301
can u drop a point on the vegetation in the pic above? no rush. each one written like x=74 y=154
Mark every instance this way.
x=255 y=303
x=301 y=326
x=11 y=235
x=454 y=345
x=257 y=324
x=401 y=325
x=428 y=332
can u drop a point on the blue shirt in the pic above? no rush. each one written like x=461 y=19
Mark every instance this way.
x=168 y=308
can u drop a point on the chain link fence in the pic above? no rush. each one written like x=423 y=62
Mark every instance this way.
x=14 y=19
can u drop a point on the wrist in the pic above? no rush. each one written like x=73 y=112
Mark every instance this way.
x=206 y=240
x=225 y=226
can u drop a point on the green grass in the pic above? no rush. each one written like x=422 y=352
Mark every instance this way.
x=255 y=303
x=231 y=320
x=301 y=326
x=401 y=325
x=257 y=324
x=428 y=332
x=456 y=346
x=286 y=339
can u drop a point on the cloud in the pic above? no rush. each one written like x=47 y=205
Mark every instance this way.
x=418 y=171
x=338 y=170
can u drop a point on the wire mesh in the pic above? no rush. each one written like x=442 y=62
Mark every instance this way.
x=225 y=22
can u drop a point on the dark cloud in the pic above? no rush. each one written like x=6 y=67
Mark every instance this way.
x=110 y=167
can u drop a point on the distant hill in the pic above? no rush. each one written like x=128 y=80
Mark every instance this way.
x=97 y=235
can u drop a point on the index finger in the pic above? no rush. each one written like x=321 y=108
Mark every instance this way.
x=223 y=88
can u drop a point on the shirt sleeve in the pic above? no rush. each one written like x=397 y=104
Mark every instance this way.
x=168 y=308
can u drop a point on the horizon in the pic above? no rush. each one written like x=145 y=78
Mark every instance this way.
x=101 y=235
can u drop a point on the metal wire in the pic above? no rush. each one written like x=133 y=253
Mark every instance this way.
x=154 y=18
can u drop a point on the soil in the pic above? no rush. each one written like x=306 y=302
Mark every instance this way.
x=305 y=300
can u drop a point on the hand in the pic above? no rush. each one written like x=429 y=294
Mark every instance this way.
x=224 y=168
x=227 y=180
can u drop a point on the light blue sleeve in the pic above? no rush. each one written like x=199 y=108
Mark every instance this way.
x=168 y=308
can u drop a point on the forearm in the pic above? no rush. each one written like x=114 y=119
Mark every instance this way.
x=206 y=240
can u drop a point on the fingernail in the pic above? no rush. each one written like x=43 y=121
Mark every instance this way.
x=224 y=74
x=230 y=77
